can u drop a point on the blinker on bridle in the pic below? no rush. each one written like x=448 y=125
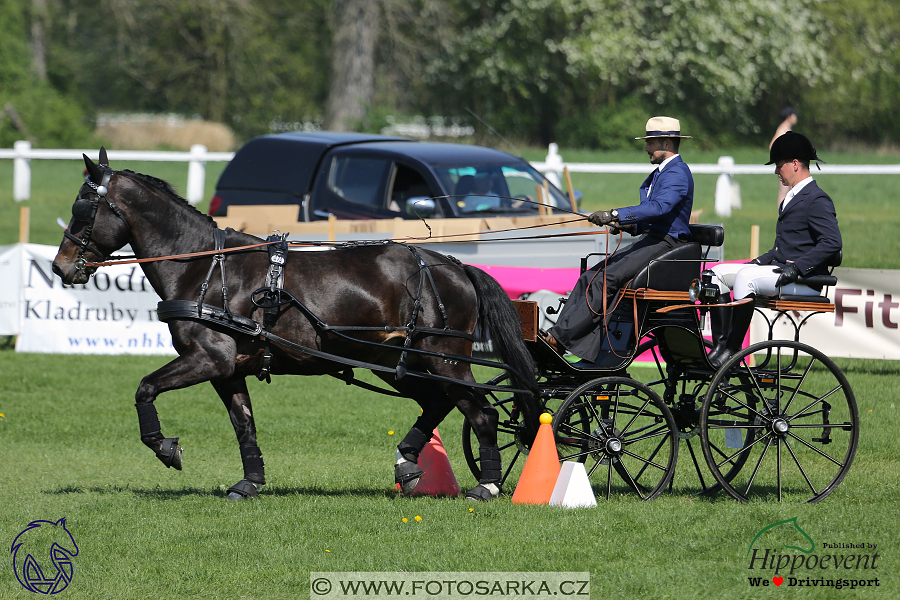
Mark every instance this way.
x=84 y=210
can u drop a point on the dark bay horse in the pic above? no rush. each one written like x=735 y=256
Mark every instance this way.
x=377 y=289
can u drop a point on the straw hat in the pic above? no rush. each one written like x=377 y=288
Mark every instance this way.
x=663 y=127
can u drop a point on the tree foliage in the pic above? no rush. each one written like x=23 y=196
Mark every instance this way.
x=577 y=72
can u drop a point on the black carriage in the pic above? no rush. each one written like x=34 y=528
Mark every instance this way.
x=778 y=417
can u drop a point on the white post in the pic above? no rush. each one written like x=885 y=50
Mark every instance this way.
x=22 y=171
x=554 y=165
x=196 y=174
x=724 y=187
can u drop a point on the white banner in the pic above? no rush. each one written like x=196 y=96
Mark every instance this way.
x=114 y=313
x=865 y=322
x=10 y=290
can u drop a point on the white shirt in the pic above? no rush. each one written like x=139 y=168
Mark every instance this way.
x=794 y=191
x=661 y=166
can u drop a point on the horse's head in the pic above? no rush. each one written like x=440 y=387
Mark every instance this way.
x=97 y=228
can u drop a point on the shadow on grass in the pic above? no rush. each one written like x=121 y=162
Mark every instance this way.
x=173 y=494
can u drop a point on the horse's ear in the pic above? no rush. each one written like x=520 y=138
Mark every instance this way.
x=103 y=160
x=93 y=170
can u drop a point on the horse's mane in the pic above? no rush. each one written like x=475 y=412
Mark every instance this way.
x=166 y=188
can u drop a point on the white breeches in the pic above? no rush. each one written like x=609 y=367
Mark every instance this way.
x=744 y=279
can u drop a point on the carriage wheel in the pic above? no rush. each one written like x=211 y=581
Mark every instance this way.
x=623 y=432
x=510 y=433
x=793 y=426
x=685 y=407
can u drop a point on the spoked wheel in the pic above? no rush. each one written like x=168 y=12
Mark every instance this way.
x=510 y=435
x=792 y=425
x=623 y=432
x=682 y=394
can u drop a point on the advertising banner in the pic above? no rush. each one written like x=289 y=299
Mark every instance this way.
x=864 y=323
x=114 y=313
x=10 y=290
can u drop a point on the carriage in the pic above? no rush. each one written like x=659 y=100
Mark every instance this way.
x=778 y=417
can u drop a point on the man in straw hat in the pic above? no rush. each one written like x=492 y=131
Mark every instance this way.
x=661 y=218
x=806 y=238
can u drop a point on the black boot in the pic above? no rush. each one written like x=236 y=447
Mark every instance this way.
x=741 y=316
x=720 y=323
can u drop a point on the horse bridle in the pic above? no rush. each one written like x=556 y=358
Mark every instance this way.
x=84 y=210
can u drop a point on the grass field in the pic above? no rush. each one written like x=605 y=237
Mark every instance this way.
x=866 y=204
x=70 y=448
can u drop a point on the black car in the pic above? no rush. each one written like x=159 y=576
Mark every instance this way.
x=364 y=176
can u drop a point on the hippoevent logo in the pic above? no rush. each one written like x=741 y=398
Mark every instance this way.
x=783 y=554
x=42 y=556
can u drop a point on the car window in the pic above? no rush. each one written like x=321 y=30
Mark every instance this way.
x=496 y=188
x=359 y=179
x=407 y=183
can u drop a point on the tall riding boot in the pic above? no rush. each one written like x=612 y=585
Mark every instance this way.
x=720 y=323
x=740 y=321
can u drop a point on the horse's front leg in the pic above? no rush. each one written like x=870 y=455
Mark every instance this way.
x=186 y=370
x=234 y=395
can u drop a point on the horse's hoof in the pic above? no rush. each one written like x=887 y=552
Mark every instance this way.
x=170 y=453
x=243 y=490
x=407 y=474
x=483 y=492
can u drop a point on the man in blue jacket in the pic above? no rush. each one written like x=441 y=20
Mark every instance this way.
x=806 y=238
x=661 y=218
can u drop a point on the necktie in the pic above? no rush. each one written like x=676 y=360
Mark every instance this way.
x=653 y=182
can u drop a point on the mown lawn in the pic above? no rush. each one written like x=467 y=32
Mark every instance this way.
x=70 y=448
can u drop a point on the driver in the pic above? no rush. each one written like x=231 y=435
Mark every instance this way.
x=661 y=218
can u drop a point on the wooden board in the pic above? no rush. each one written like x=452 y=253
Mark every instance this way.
x=528 y=315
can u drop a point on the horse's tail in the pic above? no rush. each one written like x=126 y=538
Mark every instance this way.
x=499 y=318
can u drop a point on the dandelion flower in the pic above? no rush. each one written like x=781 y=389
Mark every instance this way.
x=327 y=550
x=418 y=518
x=2 y=415
x=471 y=510
x=391 y=432
x=405 y=520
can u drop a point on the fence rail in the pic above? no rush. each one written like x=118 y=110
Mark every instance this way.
x=552 y=166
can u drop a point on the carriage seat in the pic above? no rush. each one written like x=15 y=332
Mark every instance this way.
x=675 y=269
x=819 y=303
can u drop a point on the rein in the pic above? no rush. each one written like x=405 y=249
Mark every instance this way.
x=126 y=260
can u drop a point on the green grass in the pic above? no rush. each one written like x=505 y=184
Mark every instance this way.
x=70 y=448
x=865 y=203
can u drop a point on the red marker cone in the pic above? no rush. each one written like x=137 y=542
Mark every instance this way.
x=541 y=467
x=438 y=479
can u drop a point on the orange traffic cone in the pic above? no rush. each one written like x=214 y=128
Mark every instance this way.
x=438 y=479
x=541 y=467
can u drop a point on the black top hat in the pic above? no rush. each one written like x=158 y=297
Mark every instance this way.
x=792 y=145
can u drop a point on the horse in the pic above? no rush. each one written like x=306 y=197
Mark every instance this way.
x=406 y=313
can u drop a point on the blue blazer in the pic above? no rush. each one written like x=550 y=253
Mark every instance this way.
x=667 y=210
x=807 y=232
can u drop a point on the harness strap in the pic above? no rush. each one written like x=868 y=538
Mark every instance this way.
x=218 y=259
x=168 y=310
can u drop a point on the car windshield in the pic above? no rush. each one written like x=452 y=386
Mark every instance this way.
x=498 y=188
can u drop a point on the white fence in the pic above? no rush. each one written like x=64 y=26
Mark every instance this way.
x=553 y=165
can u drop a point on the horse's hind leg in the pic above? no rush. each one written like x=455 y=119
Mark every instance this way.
x=483 y=418
x=236 y=398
